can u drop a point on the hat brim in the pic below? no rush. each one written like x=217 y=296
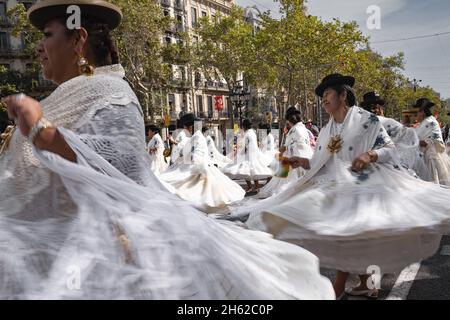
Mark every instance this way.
x=367 y=103
x=428 y=105
x=348 y=80
x=43 y=12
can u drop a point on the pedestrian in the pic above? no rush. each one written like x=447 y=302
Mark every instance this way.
x=431 y=143
x=355 y=207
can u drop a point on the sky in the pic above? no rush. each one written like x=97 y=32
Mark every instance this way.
x=426 y=59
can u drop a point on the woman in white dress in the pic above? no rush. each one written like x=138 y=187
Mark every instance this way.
x=267 y=145
x=354 y=208
x=82 y=215
x=297 y=144
x=215 y=157
x=197 y=179
x=432 y=144
x=250 y=163
x=155 y=148
x=405 y=139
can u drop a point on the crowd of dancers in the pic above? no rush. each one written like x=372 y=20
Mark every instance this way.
x=90 y=210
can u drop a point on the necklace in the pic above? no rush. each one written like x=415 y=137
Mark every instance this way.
x=336 y=142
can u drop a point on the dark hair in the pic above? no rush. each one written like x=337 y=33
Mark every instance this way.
x=351 y=96
x=101 y=46
x=153 y=128
x=427 y=111
x=188 y=124
x=246 y=124
x=294 y=118
x=204 y=129
x=265 y=126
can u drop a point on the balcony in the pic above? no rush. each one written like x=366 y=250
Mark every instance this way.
x=5 y=21
x=215 y=85
x=181 y=83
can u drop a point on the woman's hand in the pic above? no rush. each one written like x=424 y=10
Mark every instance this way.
x=422 y=143
x=24 y=110
x=296 y=162
x=361 y=162
x=27 y=112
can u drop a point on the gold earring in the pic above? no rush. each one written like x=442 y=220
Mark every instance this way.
x=84 y=67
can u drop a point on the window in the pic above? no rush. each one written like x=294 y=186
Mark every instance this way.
x=168 y=40
x=194 y=17
x=204 y=14
x=166 y=13
x=200 y=104
x=4 y=41
x=2 y=9
x=210 y=107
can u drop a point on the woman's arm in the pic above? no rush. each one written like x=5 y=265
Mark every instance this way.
x=27 y=113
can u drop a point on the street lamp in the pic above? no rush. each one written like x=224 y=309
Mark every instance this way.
x=238 y=96
x=415 y=83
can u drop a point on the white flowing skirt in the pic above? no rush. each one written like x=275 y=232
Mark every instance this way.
x=438 y=164
x=127 y=241
x=157 y=164
x=277 y=185
x=380 y=217
x=253 y=167
x=205 y=186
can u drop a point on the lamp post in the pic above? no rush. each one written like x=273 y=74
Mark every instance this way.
x=415 y=83
x=239 y=96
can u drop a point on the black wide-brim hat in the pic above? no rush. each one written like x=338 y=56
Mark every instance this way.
x=333 y=80
x=290 y=111
x=423 y=103
x=189 y=118
x=45 y=10
x=371 y=98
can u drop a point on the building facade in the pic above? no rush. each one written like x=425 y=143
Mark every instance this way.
x=12 y=48
x=191 y=91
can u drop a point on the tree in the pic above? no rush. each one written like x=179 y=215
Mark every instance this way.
x=224 y=48
x=296 y=50
x=139 y=39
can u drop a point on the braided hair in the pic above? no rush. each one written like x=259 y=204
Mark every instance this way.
x=101 y=46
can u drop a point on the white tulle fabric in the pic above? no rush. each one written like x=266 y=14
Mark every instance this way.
x=198 y=180
x=268 y=146
x=436 y=159
x=250 y=163
x=407 y=143
x=158 y=165
x=215 y=157
x=381 y=216
x=70 y=225
x=297 y=144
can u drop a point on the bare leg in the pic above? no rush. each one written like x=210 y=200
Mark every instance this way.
x=339 y=282
x=249 y=186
